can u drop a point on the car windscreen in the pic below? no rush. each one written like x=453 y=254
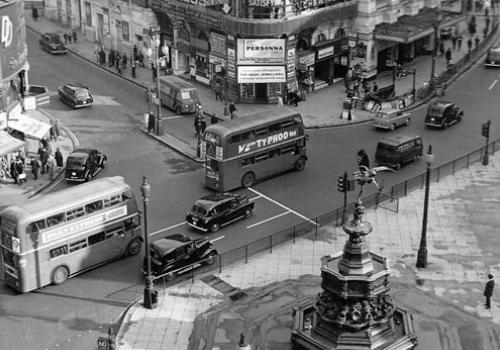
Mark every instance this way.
x=189 y=94
x=56 y=39
x=385 y=148
x=435 y=112
x=382 y=115
x=197 y=209
x=82 y=94
x=494 y=55
x=75 y=162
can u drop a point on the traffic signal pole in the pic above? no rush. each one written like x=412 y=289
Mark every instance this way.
x=486 y=133
x=342 y=187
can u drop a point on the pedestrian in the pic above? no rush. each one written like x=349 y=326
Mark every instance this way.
x=51 y=167
x=454 y=41
x=375 y=87
x=43 y=157
x=21 y=156
x=280 y=100
x=488 y=291
x=476 y=41
x=485 y=31
x=35 y=166
x=59 y=158
x=356 y=88
x=70 y=38
x=232 y=111
x=111 y=58
x=124 y=61
x=218 y=91
x=226 y=109
x=459 y=42
x=21 y=176
x=441 y=48
x=118 y=62
x=13 y=171
x=487 y=22
x=200 y=123
x=52 y=131
x=469 y=45
x=57 y=126
x=151 y=122
x=214 y=119
x=65 y=36
x=365 y=87
x=75 y=36
x=448 y=56
x=34 y=12
x=154 y=72
x=472 y=26
x=135 y=52
x=102 y=56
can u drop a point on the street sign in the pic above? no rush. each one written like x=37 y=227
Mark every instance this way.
x=102 y=343
x=226 y=8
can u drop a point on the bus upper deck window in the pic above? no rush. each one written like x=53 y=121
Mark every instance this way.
x=55 y=219
x=127 y=196
x=94 y=206
x=35 y=226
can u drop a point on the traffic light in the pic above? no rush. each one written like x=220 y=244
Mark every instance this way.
x=341 y=183
x=485 y=130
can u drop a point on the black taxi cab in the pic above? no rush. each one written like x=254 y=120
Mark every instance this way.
x=209 y=213
x=493 y=57
x=442 y=114
x=76 y=95
x=83 y=164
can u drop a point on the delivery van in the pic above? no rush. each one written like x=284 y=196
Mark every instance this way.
x=178 y=94
x=399 y=149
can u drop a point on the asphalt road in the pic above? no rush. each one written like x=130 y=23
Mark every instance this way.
x=73 y=315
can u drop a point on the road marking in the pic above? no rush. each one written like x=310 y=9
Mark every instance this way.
x=172 y=117
x=167 y=228
x=254 y=198
x=283 y=206
x=217 y=239
x=268 y=219
x=493 y=84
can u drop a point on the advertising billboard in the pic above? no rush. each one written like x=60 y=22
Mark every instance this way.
x=261 y=51
x=261 y=74
x=13 y=49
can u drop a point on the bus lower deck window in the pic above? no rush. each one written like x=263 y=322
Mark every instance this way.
x=54 y=253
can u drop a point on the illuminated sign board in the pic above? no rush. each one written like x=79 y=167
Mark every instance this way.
x=13 y=49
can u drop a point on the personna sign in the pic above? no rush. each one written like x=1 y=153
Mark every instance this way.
x=266 y=141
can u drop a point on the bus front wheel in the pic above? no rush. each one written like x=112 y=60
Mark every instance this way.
x=248 y=180
x=300 y=164
x=134 y=247
x=60 y=275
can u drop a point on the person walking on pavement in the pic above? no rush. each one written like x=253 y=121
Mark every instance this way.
x=476 y=41
x=59 y=159
x=226 y=109
x=280 y=100
x=75 y=36
x=447 y=55
x=469 y=45
x=43 y=156
x=218 y=91
x=111 y=58
x=35 y=166
x=13 y=171
x=151 y=122
x=459 y=42
x=34 y=12
x=232 y=111
x=454 y=41
x=488 y=291
x=375 y=87
x=124 y=61
x=118 y=62
x=356 y=88
x=102 y=56
x=441 y=48
x=51 y=166
x=21 y=176
x=65 y=36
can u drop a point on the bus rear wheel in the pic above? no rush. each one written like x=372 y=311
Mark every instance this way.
x=300 y=164
x=134 y=247
x=60 y=275
x=248 y=180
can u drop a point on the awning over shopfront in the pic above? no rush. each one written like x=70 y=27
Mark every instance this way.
x=410 y=28
x=28 y=126
x=8 y=143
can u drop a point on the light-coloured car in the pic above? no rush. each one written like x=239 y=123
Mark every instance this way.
x=390 y=119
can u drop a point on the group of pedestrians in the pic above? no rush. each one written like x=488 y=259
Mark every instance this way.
x=68 y=37
x=46 y=161
x=114 y=58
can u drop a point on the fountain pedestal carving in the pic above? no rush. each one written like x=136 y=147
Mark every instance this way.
x=354 y=311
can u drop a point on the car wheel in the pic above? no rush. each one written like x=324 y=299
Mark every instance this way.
x=397 y=166
x=134 y=247
x=300 y=164
x=171 y=276
x=60 y=275
x=460 y=116
x=392 y=127
x=248 y=213
x=103 y=164
x=446 y=125
x=248 y=180
x=211 y=258
x=88 y=177
x=214 y=227
x=408 y=121
x=178 y=110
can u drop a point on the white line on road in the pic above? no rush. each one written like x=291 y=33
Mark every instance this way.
x=493 y=84
x=283 y=206
x=168 y=228
x=254 y=198
x=172 y=117
x=217 y=239
x=268 y=219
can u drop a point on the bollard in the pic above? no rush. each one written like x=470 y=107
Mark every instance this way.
x=111 y=339
x=133 y=69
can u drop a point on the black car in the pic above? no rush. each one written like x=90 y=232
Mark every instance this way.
x=493 y=57
x=172 y=255
x=442 y=114
x=76 y=95
x=218 y=209
x=84 y=164
x=52 y=43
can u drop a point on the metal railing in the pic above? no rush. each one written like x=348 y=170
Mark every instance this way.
x=310 y=229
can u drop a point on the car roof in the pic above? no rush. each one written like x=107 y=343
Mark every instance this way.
x=440 y=104
x=76 y=85
x=177 y=82
x=388 y=110
x=215 y=198
x=167 y=244
x=81 y=152
x=399 y=138
x=53 y=35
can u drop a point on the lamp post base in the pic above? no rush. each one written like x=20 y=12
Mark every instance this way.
x=150 y=298
x=422 y=257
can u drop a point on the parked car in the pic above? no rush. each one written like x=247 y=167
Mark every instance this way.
x=391 y=118
x=76 y=95
x=398 y=149
x=52 y=42
x=174 y=254
x=442 y=114
x=493 y=57
x=213 y=211
x=83 y=164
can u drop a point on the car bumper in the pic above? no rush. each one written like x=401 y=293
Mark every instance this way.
x=381 y=126
x=197 y=227
x=75 y=178
x=85 y=104
x=59 y=52
x=492 y=64
x=434 y=124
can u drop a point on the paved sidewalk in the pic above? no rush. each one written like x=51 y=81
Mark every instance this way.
x=10 y=193
x=321 y=108
x=445 y=298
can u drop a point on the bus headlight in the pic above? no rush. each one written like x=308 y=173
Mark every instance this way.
x=23 y=263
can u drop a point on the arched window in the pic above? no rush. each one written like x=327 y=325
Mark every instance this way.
x=340 y=33
x=302 y=45
x=321 y=37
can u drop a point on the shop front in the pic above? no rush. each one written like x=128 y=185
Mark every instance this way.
x=217 y=57
x=331 y=62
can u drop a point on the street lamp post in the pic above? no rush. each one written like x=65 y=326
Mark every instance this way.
x=422 y=250
x=414 y=72
x=158 y=119
x=434 y=54
x=149 y=294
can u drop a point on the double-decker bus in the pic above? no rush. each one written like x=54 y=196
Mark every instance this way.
x=61 y=234
x=240 y=151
